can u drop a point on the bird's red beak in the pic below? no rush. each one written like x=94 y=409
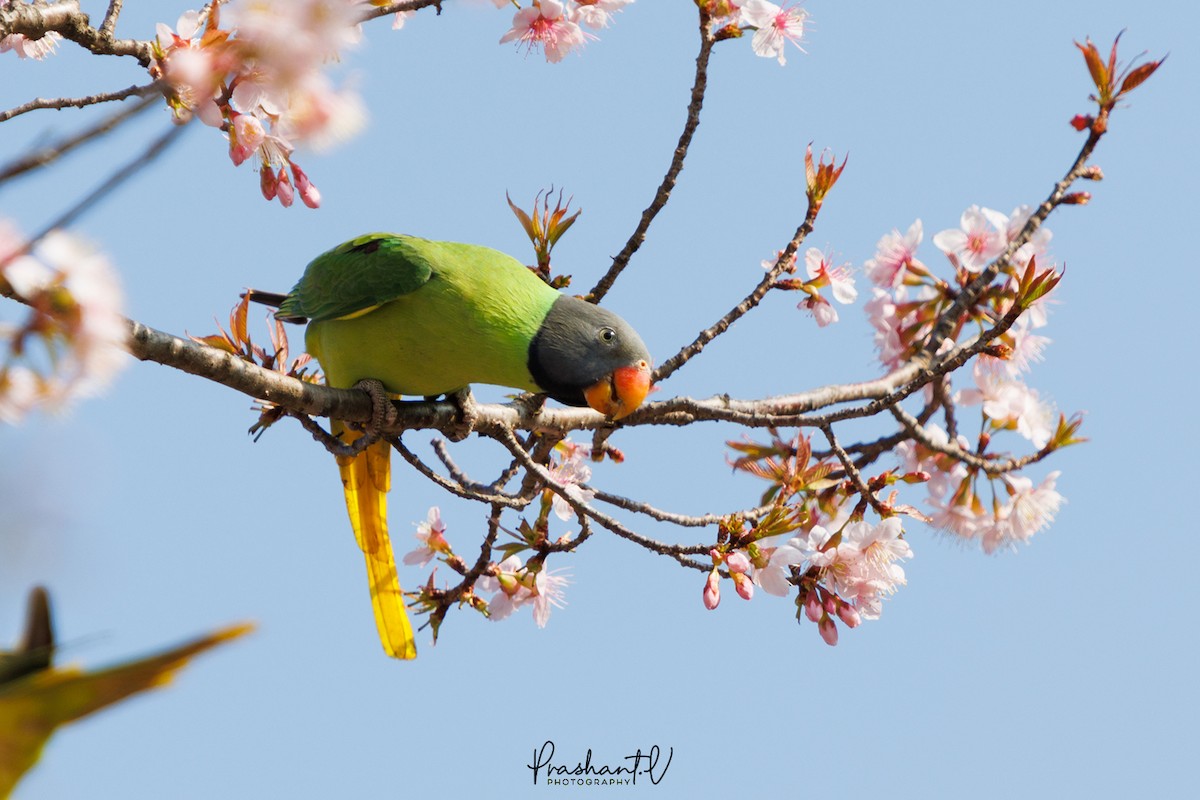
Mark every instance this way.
x=621 y=392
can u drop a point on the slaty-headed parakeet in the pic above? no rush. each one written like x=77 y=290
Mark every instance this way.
x=428 y=318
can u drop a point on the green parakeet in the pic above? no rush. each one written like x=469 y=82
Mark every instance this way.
x=428 y=318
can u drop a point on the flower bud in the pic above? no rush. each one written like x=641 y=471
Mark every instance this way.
x=737 y=562
x=743 y=584
x=828 y=630
x=712 y=590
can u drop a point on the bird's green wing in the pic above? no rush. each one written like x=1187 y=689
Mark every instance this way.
x=358 y=276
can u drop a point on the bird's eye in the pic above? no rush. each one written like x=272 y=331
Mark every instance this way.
x=608 y=335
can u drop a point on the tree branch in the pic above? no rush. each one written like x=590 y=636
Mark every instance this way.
x=663 y=194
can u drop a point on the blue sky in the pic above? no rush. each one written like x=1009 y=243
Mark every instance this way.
x=1064 y=668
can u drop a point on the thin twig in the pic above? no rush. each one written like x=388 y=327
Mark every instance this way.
x=677 y=552
x=123 y=174
x=663 y=194
x=970 y=293
x=683 y=520
x=410 y=5
x=38 y=103
x=991 y=467
x=852 y=472
x=48 y=155
x=751 y=300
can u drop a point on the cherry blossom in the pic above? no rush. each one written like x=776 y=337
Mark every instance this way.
x=597 y=14
x=24 y=47
x=569 y=473
x=823 y=273
x=548 y=593
x=432 y=535
x=895 y=255
x=821 y=309
x=774 y=577
x=76 y=317
x=1032 y=508
x=982 y=237
x=775 y=27
x=545 y=24
x=1010 y=403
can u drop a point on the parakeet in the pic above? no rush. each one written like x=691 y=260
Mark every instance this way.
x=428 y=318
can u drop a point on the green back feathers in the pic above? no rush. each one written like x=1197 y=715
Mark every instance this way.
x=424 y=317
x=358 y=275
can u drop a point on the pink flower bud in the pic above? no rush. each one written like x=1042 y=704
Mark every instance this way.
x=737 y=562
x=284 y=189
x=308 y=193
x=716 y=556
x=712 y=590
x=849 y=615
x=743 y=584
x=828 y=630
x=267 y=182
x=812 y=606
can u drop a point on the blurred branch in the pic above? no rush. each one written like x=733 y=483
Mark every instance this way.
x=66 y=19
x=48 y=155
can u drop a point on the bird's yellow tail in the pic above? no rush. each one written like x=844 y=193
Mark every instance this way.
x=366 y=478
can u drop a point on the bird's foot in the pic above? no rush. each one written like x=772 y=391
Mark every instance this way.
x=383 y=414
x=468 y=414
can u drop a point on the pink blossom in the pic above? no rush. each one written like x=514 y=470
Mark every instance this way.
x=401 y=18
x=246 y=136
x=19 y=392
x=965 y=518
x=822 y=273
x=570 y=473
x=982 y=237
x=597 y=14
x=894 y=255
x=1032 y=508
x=821 y=309
x=1027 y=348
x=1038 y=244
x=431 y=535
x=548 y=592
x=775 y=27
x=508 y=592
x=545 y=24
x=881 y=312
x=24 y=47
x=1010 y=403
x=774 y=577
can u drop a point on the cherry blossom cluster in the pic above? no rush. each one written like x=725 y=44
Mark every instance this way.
x=773 y=26
x=511 y=583
x=557 y=26
x=822 y=273
x=255 y=69
x=70 y=343
x=907 y=301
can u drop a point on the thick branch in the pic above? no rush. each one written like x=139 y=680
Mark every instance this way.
x=65 y=18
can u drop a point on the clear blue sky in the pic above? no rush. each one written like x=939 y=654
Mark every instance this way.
x=1066 y=669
